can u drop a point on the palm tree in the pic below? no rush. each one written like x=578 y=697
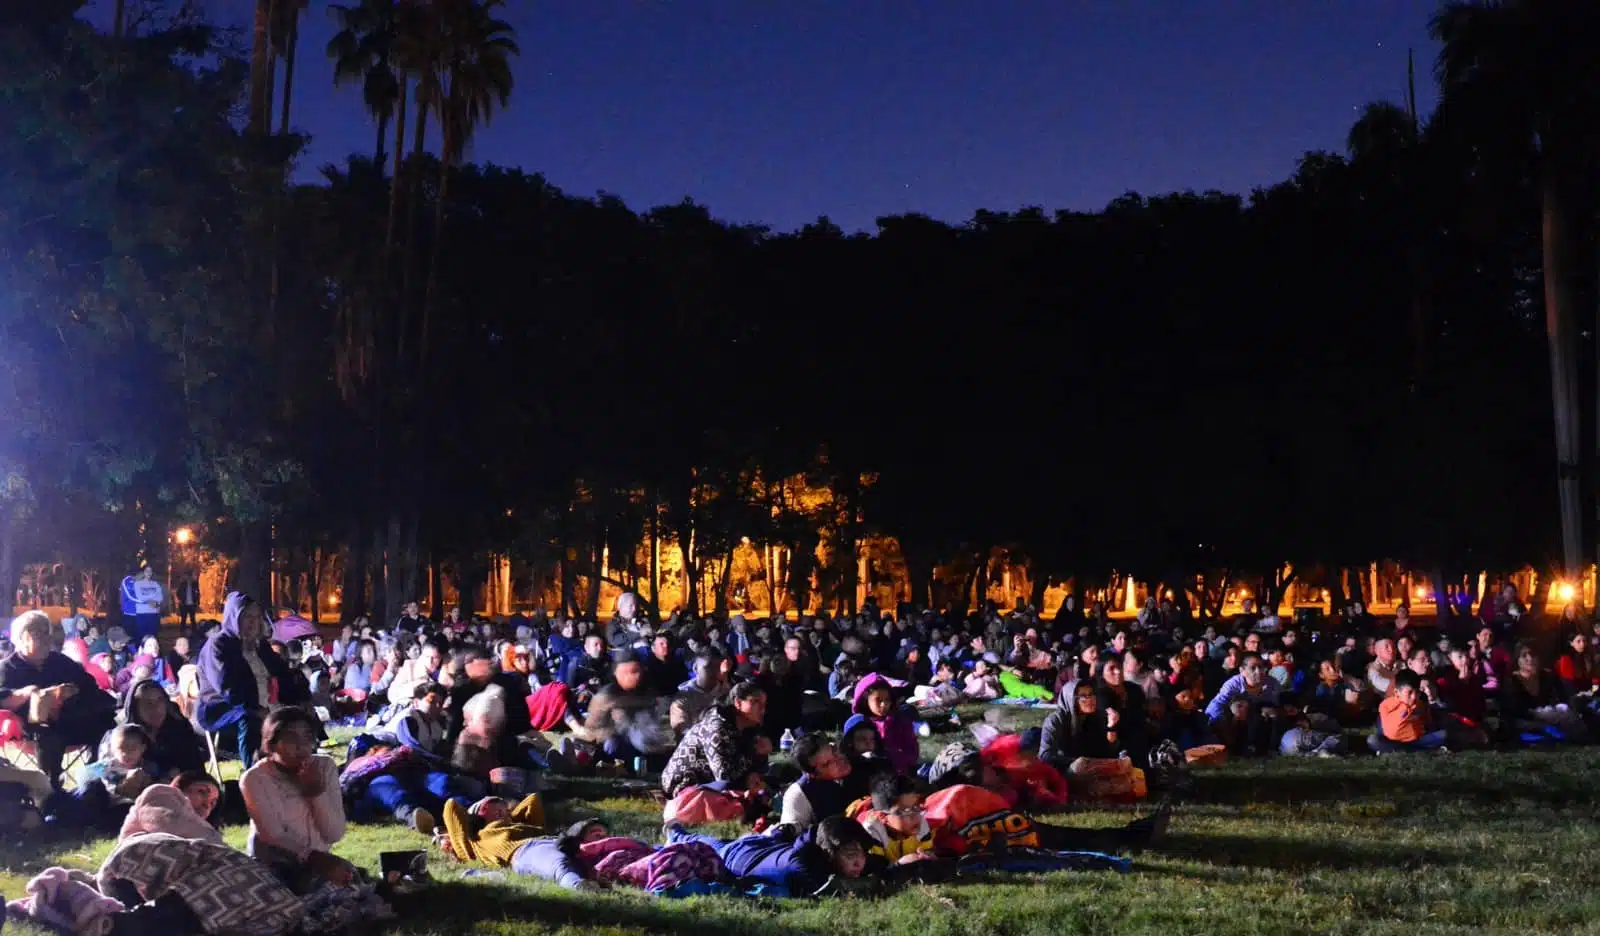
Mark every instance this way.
x=261 y=68
x=1525 y=72
x=364 y=50
x=285 y=38
x=467 y=76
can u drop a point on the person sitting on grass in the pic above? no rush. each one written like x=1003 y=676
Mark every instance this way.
x=296 y=811
x=1576 y=676
x=1078 y=728
x=107 y=788
x=1127 y=701
x=874 y=702
x=1404 y=720
x=1385 y=666
x=982 y=684
x=1530 y=702
x=1184 y=722
x=174 y=744
x=401 y=774
x=797 y=863
x=897 y=822
x=478 y=678
x=723 y=747
x=707 y=687
x=622 y=715
x=819 y=793
x=1246 y=709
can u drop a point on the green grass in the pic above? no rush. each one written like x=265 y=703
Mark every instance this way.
x=1467 y=843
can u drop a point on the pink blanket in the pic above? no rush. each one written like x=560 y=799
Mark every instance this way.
x=66 y=900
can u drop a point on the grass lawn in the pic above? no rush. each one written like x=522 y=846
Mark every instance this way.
x=1466 y=843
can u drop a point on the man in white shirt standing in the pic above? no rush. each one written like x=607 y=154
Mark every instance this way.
x=143 y=595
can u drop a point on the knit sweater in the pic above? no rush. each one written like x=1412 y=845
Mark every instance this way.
x=283 y=816
x=494 y=843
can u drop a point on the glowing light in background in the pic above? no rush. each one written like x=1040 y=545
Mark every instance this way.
x=1565 y=591
x=183 y=536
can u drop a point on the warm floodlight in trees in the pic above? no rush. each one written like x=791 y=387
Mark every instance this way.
x=183 y=536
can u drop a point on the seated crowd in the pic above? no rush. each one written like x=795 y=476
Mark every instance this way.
x=458 y=723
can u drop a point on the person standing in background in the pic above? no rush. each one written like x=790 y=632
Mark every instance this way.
x=188 y=599
x=142 y=598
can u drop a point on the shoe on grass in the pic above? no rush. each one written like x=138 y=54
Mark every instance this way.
x=423 y=821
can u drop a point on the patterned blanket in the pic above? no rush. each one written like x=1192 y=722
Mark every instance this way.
x=228 y=890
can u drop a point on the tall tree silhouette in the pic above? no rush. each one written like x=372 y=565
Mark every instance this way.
x=1526 y=71
x=363 y=50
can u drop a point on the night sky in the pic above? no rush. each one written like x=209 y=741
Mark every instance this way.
x=784 y=110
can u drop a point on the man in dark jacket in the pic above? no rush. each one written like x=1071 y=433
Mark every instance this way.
x=64 y=707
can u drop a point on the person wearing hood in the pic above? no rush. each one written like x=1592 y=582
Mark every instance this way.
x=76 y=650
x=1078 y=727
x=874 y=702
x=173 y=741
x=237 y=666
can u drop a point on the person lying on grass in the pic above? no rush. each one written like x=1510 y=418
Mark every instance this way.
x=970 y=811
x=586 y=857
x=792 y=862
x=181 y=808
x=498 y=834
x=819 y=793
x=897 y=821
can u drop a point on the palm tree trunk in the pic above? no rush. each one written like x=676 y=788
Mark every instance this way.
x=395 y=184
x=1560 y=324
x=288 y=69
x=117 y=18
x=260 y=57
x=414 y=195
x=383 y=134
x=431 y=293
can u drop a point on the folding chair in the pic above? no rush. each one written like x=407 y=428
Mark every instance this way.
x=215 y=764
x=24 y=753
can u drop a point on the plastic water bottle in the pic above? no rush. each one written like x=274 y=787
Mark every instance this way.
x=787 y=741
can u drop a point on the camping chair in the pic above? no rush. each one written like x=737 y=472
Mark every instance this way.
x=211 y=748
x=21 y=751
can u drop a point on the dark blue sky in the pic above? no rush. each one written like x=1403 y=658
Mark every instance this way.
x=781 y=110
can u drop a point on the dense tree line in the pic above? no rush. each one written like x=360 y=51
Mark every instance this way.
x=420 y=362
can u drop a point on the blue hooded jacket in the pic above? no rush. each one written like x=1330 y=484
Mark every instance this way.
x=228 y=689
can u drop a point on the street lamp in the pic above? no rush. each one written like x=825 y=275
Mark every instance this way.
x=183 y=536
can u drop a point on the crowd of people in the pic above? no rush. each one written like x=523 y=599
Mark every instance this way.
x=458 y=724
